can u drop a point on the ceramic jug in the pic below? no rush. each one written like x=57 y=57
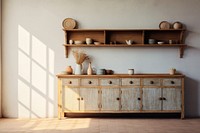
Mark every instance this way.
x=79 y=69
x=129 y=42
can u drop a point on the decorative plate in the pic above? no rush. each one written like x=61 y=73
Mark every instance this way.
x=69 y=23
x=164 y=25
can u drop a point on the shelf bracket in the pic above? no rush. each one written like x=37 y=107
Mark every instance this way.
x=181 y=51
x=66 y=51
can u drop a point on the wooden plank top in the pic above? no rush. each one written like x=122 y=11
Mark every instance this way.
x=142 y=75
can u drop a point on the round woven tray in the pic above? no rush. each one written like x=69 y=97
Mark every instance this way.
x=164 y=25
x=69 y=23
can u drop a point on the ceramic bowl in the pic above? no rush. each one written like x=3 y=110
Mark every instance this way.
x=160 y=42
x=97 y=43
x=79 y=42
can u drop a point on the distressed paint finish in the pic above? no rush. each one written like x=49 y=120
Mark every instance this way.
x=173 y=99
x=129 y=99
x=151 y=99
x=71 y=82
x=151 y=82
x=89 y=99
x=89 y=82
x=130 y=81
x=171 y=82
x=70 y=99
x=110 y=82
x=109 y=99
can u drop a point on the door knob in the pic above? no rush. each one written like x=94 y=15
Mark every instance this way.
x=172 y=82
x=151 y=82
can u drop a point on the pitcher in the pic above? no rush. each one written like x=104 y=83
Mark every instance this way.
x=79 y=69
x=129 y=42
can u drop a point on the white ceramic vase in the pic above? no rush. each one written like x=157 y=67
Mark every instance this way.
x=78 y=70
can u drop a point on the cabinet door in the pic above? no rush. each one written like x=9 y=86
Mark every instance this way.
x=171 y=98
x=110 y=99
x=130 y=99
x=89 y=99
x=151 y=99
x=71 y=99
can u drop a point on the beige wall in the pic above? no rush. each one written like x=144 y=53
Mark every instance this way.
x=0 y=56
x=33 y=53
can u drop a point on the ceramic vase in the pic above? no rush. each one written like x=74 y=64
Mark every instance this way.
x=89 y=70
x=78 y=70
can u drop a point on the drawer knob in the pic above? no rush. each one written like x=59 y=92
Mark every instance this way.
x=138 y=98
x=172 y=82
x=110 y=82
x=70 y=82
x=118 y=98
x=164 y=98
x=160 y=98
x=151 y=82
x=78 y=98
x=131 y=82
x=90 y=82
x=81 y=98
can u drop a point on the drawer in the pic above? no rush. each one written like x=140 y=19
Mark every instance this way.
x=151 y=82
x=172 y=82
x=130 y=81
x=89 y=82
x=71 y=82
x=109 y=82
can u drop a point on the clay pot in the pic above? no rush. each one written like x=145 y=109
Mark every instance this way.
x=69 y=70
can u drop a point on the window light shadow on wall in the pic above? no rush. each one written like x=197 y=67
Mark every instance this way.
x=35 y=76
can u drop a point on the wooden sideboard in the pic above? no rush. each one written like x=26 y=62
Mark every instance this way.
x=139 y=93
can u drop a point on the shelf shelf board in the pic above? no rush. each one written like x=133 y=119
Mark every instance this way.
x=125 y=45
x=181 y=46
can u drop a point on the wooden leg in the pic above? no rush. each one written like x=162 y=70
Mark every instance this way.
x=59 y=98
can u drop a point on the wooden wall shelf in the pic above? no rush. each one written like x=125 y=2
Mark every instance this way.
x=117 y=37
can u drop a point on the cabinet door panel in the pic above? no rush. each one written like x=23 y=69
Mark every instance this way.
x=70 y=99
x=109 y=99
x=172 y=99
x=89 y=99
x=129 y=99
x=150 y=99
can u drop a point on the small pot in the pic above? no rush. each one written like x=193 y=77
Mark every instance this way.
x=69 y=70
x=172 y=71
x=130 y=71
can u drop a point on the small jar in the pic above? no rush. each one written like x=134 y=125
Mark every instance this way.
x=130 y=71
x=172 y=71
x=71 y=42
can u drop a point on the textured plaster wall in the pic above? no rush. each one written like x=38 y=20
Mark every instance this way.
x=32 y=51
